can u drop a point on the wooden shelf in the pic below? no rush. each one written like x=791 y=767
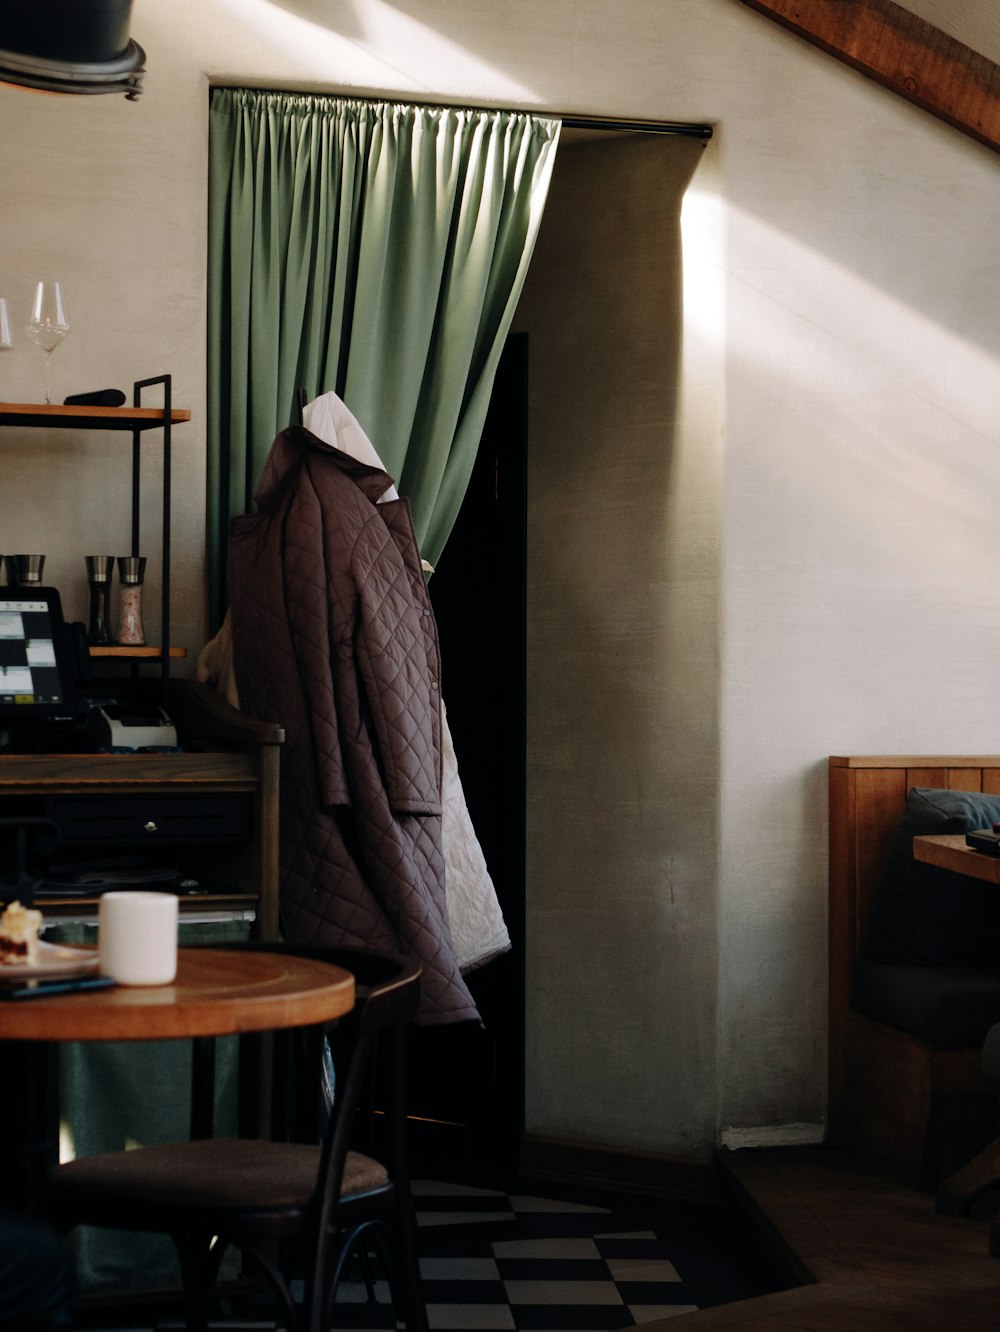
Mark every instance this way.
x=222 y=770
x=57 y=416
x=54 y=907
x=145 y=653
x=133 y=420
x=921 y=762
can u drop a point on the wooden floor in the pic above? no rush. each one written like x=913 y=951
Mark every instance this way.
x=871 y=1254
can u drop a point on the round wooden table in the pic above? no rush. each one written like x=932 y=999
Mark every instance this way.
x=218 y=992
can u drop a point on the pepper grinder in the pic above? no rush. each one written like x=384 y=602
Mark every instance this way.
x=100 y=569
x=131 y=571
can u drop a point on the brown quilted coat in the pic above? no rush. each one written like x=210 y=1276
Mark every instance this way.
x=334 y=638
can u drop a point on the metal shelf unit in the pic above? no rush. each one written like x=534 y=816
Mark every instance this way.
x=136 y=419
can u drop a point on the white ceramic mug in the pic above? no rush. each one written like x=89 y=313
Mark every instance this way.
x=137 y=937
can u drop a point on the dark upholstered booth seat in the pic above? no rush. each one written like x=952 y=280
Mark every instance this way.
x=929 y=961
x=949 y=1007
x=914 y=965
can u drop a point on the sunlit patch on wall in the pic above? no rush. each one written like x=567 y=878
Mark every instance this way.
x=372 y=45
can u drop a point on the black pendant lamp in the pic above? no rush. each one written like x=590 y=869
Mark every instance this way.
x=70 y=46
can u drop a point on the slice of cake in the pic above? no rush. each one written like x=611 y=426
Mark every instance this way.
x=19 y=927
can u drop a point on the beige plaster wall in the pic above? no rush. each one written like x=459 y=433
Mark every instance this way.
x=623 y=667
x=839 y=353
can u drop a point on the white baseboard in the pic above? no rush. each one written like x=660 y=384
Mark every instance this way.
x=773 y=1135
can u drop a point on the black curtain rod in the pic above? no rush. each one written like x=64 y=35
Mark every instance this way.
x=637 y=126
x=570 y=122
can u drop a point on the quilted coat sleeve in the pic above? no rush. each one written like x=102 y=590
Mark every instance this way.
x=306 y=604
x=399 y=668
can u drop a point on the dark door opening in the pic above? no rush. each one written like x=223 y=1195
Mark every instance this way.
x=467 y=1082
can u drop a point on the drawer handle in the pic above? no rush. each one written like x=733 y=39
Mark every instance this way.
x=150 y=827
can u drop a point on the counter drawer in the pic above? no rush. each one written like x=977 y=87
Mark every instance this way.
x=150 y=818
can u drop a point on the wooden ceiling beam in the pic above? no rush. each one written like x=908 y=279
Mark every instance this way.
x=904 y=53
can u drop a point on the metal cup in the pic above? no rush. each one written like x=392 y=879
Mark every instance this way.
x=24 y=570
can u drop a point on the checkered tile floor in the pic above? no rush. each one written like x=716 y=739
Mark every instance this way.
x=542 y=1258
x=537 y=1257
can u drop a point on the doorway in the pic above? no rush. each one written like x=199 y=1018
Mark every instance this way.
x=478 y=594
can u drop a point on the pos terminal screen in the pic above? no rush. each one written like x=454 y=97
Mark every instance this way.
x=33 y=675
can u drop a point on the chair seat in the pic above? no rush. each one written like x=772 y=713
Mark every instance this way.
x=218 y=1175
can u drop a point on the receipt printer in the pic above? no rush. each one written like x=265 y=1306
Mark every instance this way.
x=125 y=726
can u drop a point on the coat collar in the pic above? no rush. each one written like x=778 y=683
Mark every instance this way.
x=289 y=450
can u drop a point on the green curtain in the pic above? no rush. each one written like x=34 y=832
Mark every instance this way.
x=374 y=249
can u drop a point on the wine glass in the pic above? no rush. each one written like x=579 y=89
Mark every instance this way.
x=48 y=324
x=6 y=341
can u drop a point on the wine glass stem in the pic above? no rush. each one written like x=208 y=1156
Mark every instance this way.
x=48 y=378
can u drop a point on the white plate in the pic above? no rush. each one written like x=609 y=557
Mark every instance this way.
x=54 y=960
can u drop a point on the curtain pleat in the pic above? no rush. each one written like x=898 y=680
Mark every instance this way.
x=371 y=248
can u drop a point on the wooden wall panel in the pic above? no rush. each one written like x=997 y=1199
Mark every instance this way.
x=841 y=915
x=880 y=795
x=934 y=777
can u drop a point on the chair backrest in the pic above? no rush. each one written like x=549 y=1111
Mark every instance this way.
x=368 y=1046
x=387 y=986
x=369 y=1049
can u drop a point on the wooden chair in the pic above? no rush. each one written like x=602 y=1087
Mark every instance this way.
x=288 y=1206
x=915 y=1112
